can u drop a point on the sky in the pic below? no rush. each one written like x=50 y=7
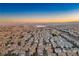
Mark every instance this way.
x=39 y=12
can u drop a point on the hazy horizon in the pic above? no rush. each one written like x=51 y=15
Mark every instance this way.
x=39 y=12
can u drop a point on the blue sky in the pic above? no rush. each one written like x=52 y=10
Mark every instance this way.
x=39 y=12
x=38 y=8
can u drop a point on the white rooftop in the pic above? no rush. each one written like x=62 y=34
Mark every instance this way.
x=40 y=26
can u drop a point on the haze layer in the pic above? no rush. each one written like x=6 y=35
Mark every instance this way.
x=39 y=13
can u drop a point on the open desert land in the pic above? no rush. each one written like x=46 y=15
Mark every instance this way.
x=39 y=40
